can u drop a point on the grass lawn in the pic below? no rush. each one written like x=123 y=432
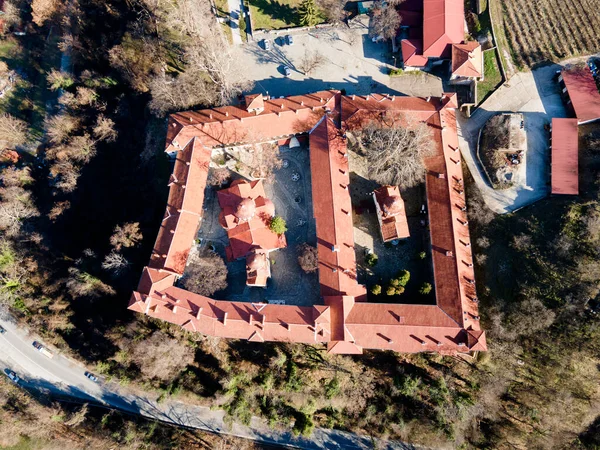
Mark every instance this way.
x=492 y=76
x=222 y=8
x=274 y=14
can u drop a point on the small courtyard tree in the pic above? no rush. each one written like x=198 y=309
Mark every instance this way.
x=206 y=273
x=278 y=225
x=395 y=153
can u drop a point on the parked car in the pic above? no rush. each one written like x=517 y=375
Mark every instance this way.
x=92 y=377
x=290 y=40
x=2 y=330
x=287 y=71
x=13 y=376
x=266 y=44
x=43 y=350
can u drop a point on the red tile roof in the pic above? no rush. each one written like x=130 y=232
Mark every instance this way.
x=467 y=60
x=412 y=53
x=391 y=213
x=583 y=93
x=345 y=322
x=443 y=25
x=245 y=215
x=229 y=125
x=565 y=156
x=184 y=208
x=333 y=211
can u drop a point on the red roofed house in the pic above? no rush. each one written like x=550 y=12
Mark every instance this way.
x=443 y=25
x=391 y=213
x=246 y=213
x=565 y=157
x=582 y=93
x=345 y=322
x=467 y=62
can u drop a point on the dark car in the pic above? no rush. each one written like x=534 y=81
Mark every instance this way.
x=13 y=376
x=92 y=377
x=287 y=71
x=2 y=330
x=290 y=40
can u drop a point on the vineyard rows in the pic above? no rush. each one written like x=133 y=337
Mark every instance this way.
x=540 y=30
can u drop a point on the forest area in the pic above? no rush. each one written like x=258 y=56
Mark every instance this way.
x=80 y=210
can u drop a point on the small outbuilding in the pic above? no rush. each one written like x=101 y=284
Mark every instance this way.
x=565 y=157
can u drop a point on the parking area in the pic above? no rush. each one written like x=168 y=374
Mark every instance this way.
x=536 y=96
x=350 y=61
x=291 y=193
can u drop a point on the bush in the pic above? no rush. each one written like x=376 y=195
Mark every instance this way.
x=425 y=289
x=422 y=255
x=376 y=290
x=308 y=258
x=332 y=389
x=278 y=225
x=371 y=259
x=403 y=278
x=396 y=72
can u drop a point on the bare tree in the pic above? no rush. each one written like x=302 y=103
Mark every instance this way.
x=60 y=127
x=311 y=60
x=105 y=129
x=16 y=206
x=65 y=175
x=83 y=284
x=333 y=10
x=395 y=154
x=13 y=131
x=42 y=10
x=58 y=209
x=385 y=21
x=206 y=273
x=11 y=14
x=218 y=61
x=308 y=258
x=115 y=263
x=126 y=235
x=262 y=160
x=85 y=96
x=161 y=356
x=218 y=177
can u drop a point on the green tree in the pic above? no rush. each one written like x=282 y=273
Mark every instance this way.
x=403 y=278
x=278 y=225
x=309 y=14
x=371 y=259
x=425 y=289
x=376 y=290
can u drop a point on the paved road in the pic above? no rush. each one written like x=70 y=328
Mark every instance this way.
x=234 y=20
x=536 y=95
x=64 y=377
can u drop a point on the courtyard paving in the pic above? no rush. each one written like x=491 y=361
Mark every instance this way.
x=352 y=61
x=291 y=193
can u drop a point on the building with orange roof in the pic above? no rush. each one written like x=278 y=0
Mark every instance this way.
x=346 y=322
x=246 y=214
x=467 y=62
x=565 y=157
x=581 y=93
x=443 y=24
x=391 y=213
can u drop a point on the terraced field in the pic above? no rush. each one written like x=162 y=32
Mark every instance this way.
x=541 y=30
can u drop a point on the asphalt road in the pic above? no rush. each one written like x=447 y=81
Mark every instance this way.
x=65 y=378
